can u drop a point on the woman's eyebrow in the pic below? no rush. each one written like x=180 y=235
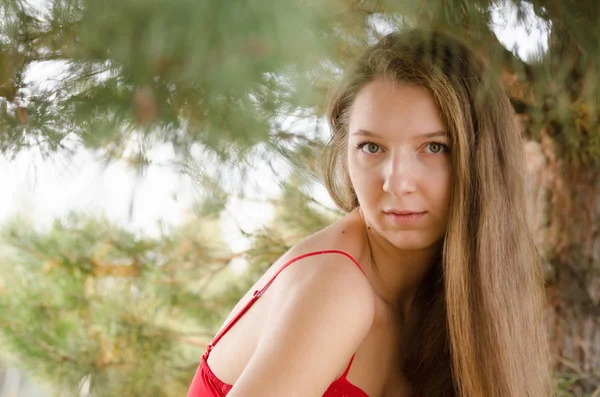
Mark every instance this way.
x=366 y=133
x=435 y=134
x=443 y=134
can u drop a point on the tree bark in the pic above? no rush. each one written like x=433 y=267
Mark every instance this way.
x=566 y=209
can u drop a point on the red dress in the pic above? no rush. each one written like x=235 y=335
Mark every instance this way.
x=206 y=383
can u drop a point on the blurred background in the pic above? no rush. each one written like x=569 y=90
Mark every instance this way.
x=159 y=155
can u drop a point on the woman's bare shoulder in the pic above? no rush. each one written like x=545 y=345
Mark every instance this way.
x=322 y=309
x=329 y=270
x=332 y=253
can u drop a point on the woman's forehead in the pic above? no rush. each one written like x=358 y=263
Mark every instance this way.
x=386 y=108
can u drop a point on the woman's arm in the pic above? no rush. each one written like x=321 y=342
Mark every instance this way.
x=315 y=325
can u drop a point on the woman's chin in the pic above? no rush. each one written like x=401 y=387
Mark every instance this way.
x=411 y=240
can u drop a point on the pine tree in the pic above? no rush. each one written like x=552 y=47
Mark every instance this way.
x=87 y=301
x=220 y=80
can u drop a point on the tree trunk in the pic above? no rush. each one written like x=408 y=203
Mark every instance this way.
x=567 y=211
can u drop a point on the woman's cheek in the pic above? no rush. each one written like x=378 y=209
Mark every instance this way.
x=367 y=163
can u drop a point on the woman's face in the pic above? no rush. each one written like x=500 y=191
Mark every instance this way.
x=399 y=163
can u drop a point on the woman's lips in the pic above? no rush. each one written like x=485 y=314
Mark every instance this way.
x=404 y=217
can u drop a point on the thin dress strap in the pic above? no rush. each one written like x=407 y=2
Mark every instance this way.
x=348 y=368
x=257 y=293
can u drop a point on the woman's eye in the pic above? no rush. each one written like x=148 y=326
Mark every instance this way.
x=370 y=147
x=436 y=148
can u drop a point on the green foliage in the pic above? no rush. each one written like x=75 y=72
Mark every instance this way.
x=568 y=384
x=184 y=71
x=202 y=72
x=89 y=300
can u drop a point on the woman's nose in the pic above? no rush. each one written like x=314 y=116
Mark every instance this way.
x=401 y=173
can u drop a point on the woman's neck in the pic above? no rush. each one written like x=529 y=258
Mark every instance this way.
x=396 y=274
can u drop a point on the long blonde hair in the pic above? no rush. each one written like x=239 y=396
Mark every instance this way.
x=482 y=333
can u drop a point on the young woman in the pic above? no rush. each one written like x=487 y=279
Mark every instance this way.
x=430 y=285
